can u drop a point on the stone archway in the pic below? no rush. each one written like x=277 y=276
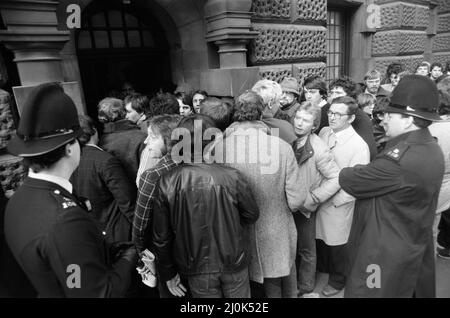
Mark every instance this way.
x=120 y=44
x=183 y=26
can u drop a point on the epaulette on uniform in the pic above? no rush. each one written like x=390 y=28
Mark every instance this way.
x=396 y=153
x=63 y=200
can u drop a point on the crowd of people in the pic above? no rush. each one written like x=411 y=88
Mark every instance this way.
x=238 y=197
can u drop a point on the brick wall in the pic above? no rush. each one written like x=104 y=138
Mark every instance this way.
x=291 y=40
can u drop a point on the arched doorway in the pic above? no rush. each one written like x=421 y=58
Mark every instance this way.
x=120 y=43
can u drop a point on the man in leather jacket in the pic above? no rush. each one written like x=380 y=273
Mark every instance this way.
x=200 y=222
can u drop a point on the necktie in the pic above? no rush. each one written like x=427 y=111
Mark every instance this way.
x=332 y=140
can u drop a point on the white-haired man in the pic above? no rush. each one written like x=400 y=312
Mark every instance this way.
x=271 y=94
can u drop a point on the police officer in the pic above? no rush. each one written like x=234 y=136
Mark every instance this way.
x=391 y=242
x=58 y=245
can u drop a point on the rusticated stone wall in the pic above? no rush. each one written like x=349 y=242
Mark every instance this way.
x=277 y=43
x=292 y=36
x=11 y=169
x=411 y=32
x=12 y=173
x=403 y=34
x=291 y=40
x=441 y=42
x=6 y=119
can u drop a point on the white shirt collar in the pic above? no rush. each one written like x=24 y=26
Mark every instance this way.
x=343 y=135
x=50 y=178
x=95 y=146
x=322 y=103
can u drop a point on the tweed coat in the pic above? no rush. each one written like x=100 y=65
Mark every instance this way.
x=269 y=166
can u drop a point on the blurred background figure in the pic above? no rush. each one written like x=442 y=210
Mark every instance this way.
x=436 y=71
x=392 y=76
x=197 y=97
x=423 y=69
x=289 y=100
x=136 y=106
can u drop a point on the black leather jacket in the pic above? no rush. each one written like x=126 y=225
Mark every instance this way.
x=200 y=219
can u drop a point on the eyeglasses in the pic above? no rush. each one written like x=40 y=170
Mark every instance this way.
x=335 y=115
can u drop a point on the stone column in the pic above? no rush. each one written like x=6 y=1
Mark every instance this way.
x=228 y=27
x=33 y=36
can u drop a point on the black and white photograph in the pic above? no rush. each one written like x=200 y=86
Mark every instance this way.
x=236 y=150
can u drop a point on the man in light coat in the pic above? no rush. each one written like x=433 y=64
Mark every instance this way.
x=334 y=217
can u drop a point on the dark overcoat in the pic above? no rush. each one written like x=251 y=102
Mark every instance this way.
x=391 y=243
x=125 y=141
x=102 y=180
x=50 y=234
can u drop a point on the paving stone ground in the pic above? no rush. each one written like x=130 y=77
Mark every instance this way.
x=442 y=280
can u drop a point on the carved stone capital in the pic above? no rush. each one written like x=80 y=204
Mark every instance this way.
x=32 y=34
x=228 y=25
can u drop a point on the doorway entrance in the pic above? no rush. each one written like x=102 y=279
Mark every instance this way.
x=120 y=45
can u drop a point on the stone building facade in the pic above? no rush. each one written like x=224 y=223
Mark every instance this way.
x=221 y=46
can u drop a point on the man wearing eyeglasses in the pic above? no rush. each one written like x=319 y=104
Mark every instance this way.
x=346 y=87
x=334 y=216
x=391 y=252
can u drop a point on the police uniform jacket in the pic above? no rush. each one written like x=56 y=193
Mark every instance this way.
x=59 y=246
x=391 y=243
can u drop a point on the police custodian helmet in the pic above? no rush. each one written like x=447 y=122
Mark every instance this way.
x=415 y=95
x=49 y=120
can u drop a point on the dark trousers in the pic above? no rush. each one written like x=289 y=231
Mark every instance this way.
x=220 y=285
x=306 y=252
x=331 y=260
x=443 y=237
